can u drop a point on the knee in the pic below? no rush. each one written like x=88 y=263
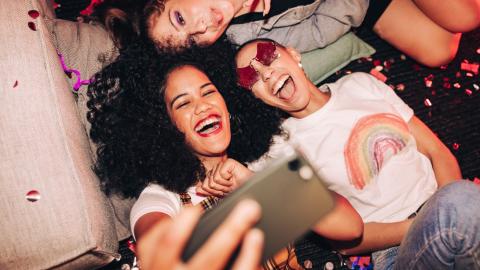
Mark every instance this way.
x=468 y=20
x=459 y=195
x=440 y=54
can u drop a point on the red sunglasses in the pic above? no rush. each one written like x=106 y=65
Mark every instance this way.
x=266 y=54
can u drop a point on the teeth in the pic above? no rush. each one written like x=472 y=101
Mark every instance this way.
x=206 y=122
x=280 y=83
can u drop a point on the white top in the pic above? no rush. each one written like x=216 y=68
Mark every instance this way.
x=360 y=143
x=155 y=198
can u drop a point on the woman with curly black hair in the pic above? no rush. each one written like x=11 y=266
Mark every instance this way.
x=149 y=131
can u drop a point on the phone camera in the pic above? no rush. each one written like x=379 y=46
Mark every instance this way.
x=294 y=165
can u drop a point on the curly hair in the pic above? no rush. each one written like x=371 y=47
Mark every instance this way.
x=137 y=142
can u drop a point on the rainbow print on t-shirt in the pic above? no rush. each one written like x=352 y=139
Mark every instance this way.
x=373 y=140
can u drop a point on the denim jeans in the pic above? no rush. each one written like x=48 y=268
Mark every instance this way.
x=444 y=235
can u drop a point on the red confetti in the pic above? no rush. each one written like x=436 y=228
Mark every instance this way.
x=468 y=92
x=427 y=102
x=32 y=196
x=473 y=67
x=478 y=50
x=428 y=80
x=33 y=13
x=32 y=26
x=476 y=181
x=458 y=74
x=443 y=67
x=15 y=84
x=377 y=63
x=455 y=146
x=377 y=74
x=131 y=245
x=469 y=74
x=447 y=85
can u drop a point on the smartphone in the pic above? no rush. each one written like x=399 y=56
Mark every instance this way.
x=292 y=196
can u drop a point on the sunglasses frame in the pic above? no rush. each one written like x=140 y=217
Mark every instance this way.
x=248 y=76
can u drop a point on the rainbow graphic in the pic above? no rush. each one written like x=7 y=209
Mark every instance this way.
x=373 y=141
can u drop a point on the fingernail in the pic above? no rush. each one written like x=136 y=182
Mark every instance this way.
x=249 y=207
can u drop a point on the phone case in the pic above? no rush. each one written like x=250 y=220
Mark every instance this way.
x=292 y=197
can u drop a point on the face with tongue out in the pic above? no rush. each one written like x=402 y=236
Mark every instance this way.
x=198 y=110
x=281 y=83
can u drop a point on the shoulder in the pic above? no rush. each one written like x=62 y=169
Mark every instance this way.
x=359 y=83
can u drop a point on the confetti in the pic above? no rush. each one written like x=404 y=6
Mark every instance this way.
x=32 y=196
x=131 y=245
x=403 y=57
x=308 y=264
x=457 y=85
x=455 y=146
x=400 y=87
x=377 y=74
x=468 y=92
x=377 y=63
x=428 y=80
x=443 y=67
x=427 y=102
x=476 y=86
x=379 y=68
x=478 y=50
x=15 y=84
x=33 y=13
x=458 y=74
x=472 y=67
x=476 y=180
x=447 y=85
x=32 y=26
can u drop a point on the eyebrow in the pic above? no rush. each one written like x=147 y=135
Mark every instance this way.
x=184 y=94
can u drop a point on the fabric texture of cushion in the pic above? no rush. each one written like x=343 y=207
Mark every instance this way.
x=321 y=63
x=44 y=148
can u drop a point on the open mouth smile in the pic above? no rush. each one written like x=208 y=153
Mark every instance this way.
x=209 y=126
x=284 y=88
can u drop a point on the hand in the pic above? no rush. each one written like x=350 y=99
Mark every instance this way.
x=227 y=176
x=162 y=245
x=253 y=3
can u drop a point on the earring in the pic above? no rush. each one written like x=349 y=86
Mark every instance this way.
x=300 y=65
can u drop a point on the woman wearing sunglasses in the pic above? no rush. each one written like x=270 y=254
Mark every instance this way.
x=165 y=135
x=371 y=149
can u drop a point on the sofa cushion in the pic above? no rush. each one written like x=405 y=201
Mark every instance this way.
x=321 y=63
x=44 y=148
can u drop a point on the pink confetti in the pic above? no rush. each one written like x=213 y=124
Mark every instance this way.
x=476 y=180
x=447 y=85
x=377 y=74
x=32 y=196
x=379 y=68
x=455 y=146
x=32 y=26
x=472 y=67
x=457 y=85
x=33 y=13
x=469 y=74
x=377 y=63
x=427 y=102
x=478 y=50
x=458 y=74
x=428 y=80
x=476 y=86
x=400 y=87
x=468 y=92
x=443 y=67
x=15 y=84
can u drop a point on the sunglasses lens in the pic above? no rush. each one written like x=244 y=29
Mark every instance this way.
x=247 y=77
x=266 y=53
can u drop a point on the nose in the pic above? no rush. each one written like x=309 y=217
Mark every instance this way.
x=201 y=106
x=264 y=71
x=199 y=23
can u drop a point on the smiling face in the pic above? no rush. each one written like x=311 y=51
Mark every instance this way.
x=198 y=110
x=183 y=23
x=279 y=82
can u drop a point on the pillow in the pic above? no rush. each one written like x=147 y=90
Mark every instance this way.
x=321 y=63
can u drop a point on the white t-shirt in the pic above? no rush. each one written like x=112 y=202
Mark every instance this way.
x=360 y=143
x=155 y=198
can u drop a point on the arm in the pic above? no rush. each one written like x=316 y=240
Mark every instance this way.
x=331 y=20
x=444 y=163
x=372 y=240
x=146 y=222
x=342 y=223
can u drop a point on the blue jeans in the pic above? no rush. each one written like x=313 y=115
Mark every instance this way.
x=444 y=235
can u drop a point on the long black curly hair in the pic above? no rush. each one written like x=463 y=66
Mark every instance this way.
x=137 y=142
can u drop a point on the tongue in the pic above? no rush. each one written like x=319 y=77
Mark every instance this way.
x=287 y=90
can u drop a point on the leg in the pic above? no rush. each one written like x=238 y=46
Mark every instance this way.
x=385 y=259
x=446 y=233
x=456 y=16
x=407 y=28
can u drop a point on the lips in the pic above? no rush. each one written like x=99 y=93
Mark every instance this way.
x=208 y=126
x=284 y=88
